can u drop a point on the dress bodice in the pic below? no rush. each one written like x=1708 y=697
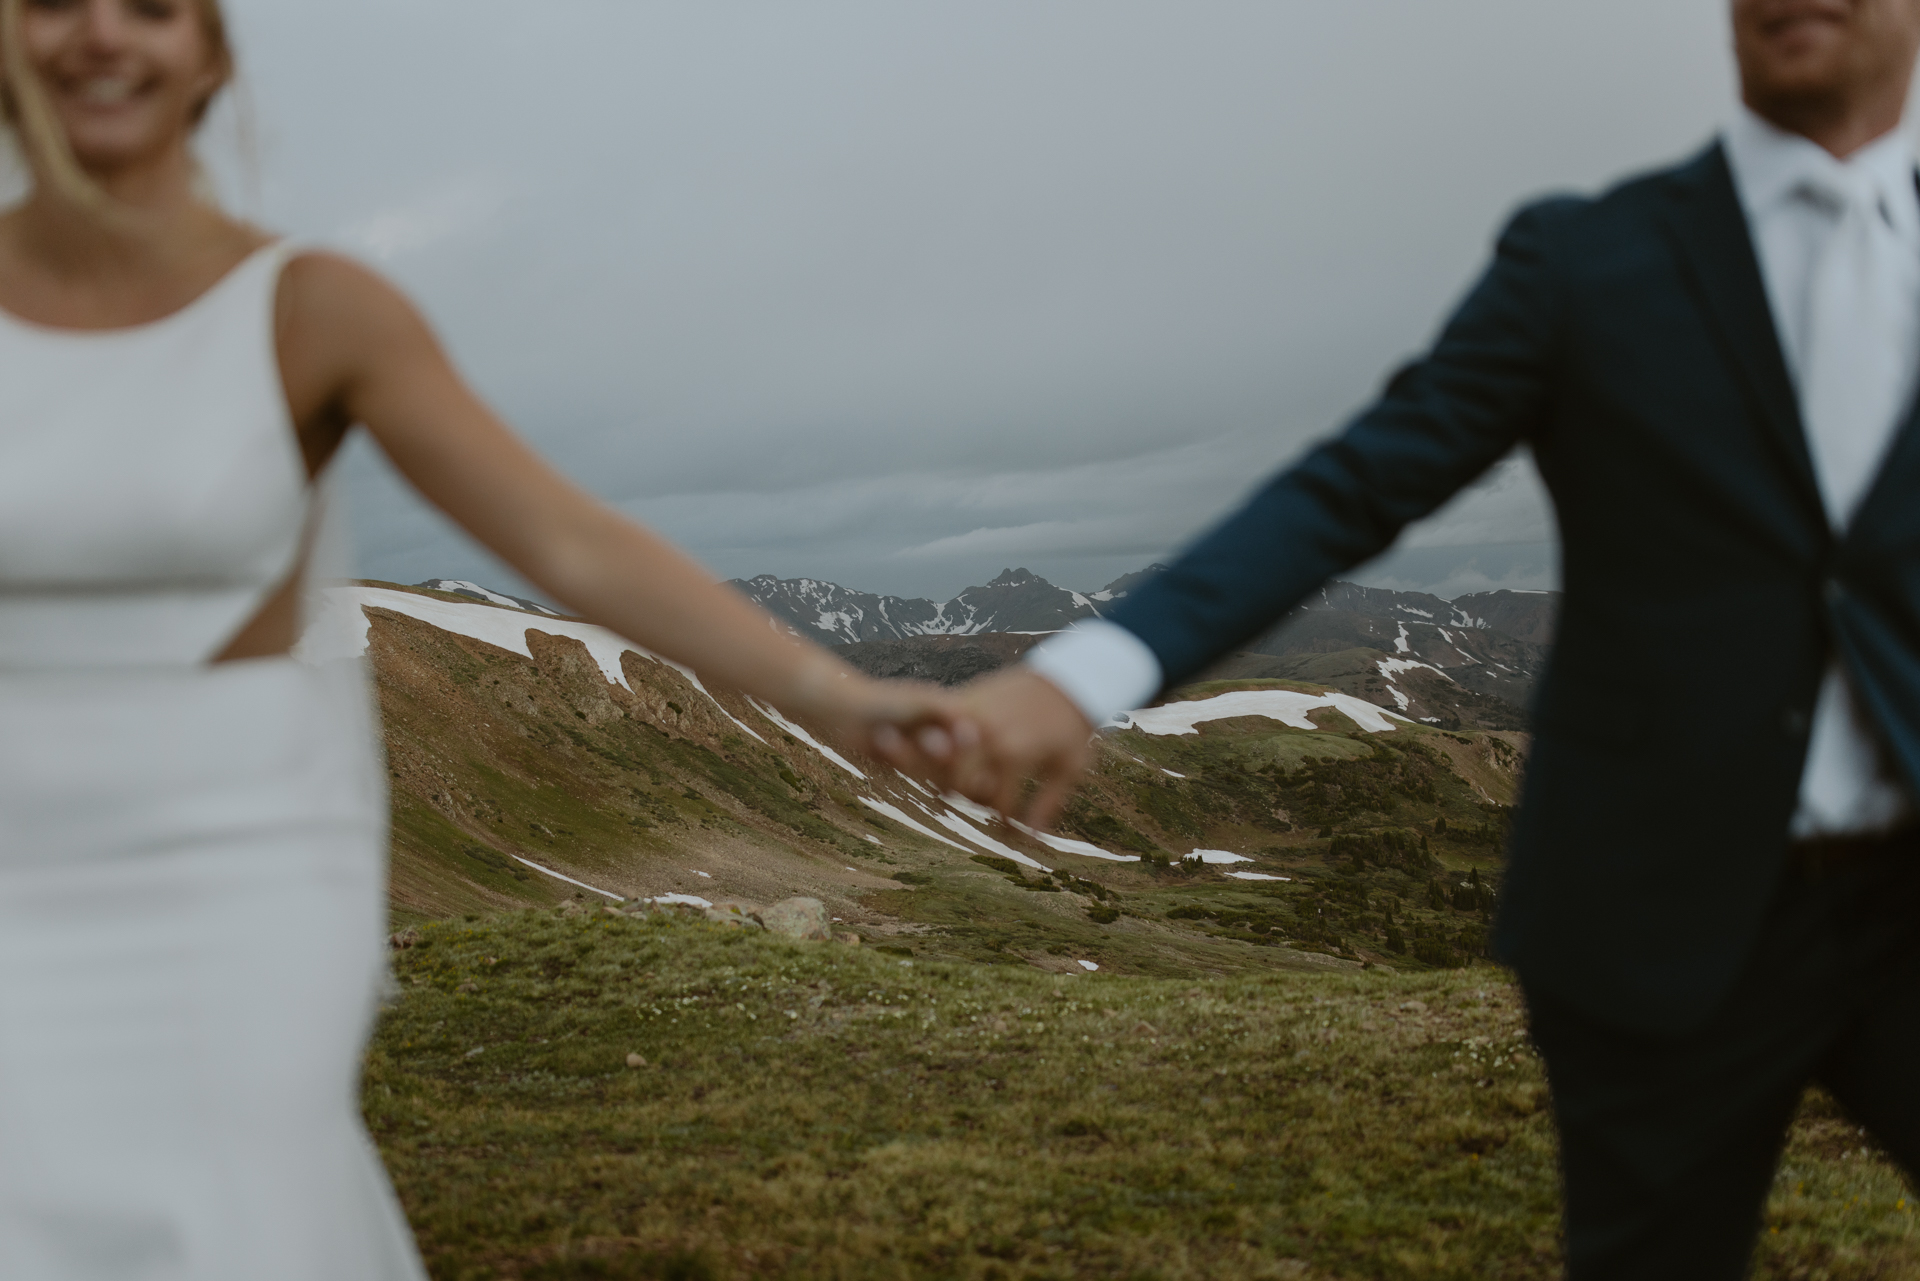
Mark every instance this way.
x=152 y=490
x=192 y=854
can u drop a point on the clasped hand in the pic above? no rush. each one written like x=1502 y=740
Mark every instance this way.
x=998 y=733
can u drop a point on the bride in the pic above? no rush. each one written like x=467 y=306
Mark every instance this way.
x=191 y=822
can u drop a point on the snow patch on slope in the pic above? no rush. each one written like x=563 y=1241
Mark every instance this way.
x=900 y=816
x=1219 y=856
x=1286 y=706
x=954 y=823
x=339 y=631
x=568 y=879
x=339 y=628
x=768 y=711
x=1392 y=667
x=685 y=900
x=1067 y=845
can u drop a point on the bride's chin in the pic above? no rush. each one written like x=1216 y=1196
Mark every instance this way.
x=104 y=156
x=116 y=140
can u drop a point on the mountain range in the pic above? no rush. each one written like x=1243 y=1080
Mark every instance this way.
x=1016 y=601
x=1471 y=660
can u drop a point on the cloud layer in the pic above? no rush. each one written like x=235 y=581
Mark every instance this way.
x=900 y=295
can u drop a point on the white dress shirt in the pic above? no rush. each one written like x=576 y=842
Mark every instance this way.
x=1854 y=392
x=1794 y=194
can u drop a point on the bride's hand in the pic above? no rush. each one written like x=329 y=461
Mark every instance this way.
x=919 y=729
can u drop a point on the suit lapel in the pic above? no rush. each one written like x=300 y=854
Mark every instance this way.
x=1709 y=229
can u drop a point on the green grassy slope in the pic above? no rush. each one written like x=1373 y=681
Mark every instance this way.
x=1315 y=1075
x=811 y=1110
x=1390 y=841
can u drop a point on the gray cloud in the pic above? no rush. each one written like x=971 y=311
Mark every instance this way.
x=898 y=295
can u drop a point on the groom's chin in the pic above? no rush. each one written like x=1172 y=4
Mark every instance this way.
x=1796 y=54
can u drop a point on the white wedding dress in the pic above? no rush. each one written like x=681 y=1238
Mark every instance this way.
x=192 y=856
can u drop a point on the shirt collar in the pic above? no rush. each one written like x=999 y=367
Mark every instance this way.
x=1769 y=164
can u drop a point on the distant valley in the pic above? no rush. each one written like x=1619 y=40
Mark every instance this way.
x=1247 y=823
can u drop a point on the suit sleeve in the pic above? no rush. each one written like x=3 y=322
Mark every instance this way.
x=1440 y=422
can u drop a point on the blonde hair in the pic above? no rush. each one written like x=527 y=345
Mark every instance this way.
x=27 y=112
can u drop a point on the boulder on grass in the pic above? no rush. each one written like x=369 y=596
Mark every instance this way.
x=799 y=918
x=736 y=912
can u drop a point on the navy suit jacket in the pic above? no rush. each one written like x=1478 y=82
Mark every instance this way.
x=1628 y=340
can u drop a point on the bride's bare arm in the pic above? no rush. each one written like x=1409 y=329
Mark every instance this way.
x=354 y=350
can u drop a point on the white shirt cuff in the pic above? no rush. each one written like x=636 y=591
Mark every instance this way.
x=1101 y=666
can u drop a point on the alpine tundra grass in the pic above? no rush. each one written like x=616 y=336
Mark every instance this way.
x=583 y=1095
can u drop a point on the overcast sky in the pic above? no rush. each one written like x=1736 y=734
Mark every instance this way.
x=902 y=294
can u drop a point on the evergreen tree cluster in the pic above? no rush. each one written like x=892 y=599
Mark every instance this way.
x=1324 y=791
x=1489 y=835
x=1471 y=895
x=1392 y=847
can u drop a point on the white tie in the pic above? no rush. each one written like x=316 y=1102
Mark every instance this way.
x=1857 y=330
x=1853 y=399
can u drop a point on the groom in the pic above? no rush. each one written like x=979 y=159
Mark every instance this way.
x=1714 y=890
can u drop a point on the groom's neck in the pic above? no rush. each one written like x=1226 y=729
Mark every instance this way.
x=1841 y=127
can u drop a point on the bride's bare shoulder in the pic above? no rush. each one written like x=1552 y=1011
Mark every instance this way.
x=321 y=282
x=331 y=302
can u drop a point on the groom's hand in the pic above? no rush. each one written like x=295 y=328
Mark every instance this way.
x=1028 y=729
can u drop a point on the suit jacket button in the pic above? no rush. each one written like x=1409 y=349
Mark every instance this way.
x=1794 y=722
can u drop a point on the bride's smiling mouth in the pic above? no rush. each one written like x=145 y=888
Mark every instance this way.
x=105 y=91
